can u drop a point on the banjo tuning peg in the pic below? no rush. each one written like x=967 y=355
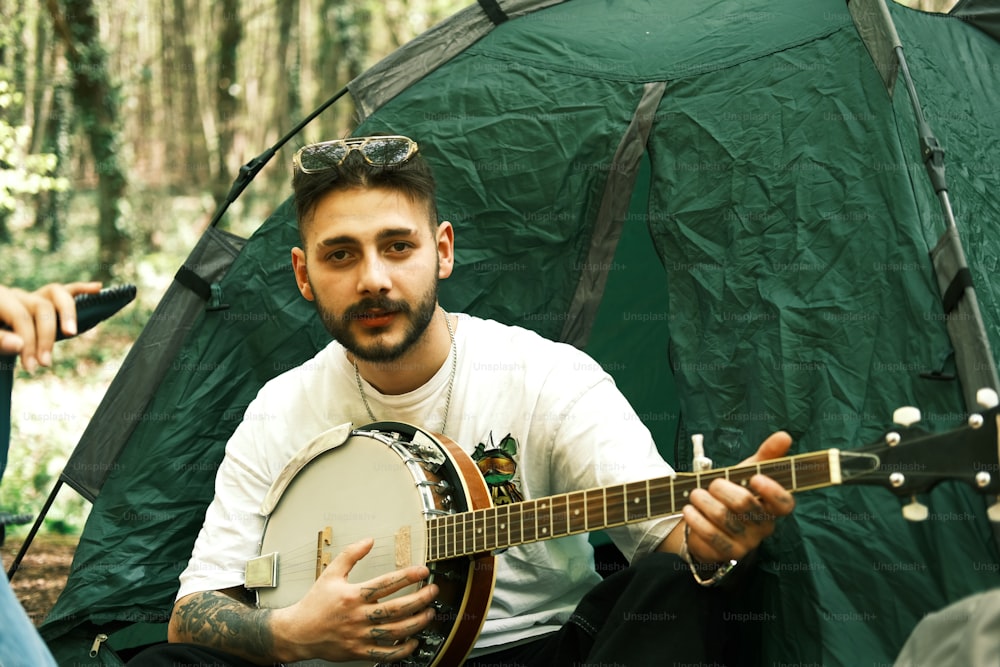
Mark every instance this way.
x=915 y=510
x=987 y=398
x=906 y=415
x=994 y=512
x=699 y=462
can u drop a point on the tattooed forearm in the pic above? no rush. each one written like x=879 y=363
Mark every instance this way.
x=215 y=619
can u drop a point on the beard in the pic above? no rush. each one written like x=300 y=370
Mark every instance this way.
x=418 y=317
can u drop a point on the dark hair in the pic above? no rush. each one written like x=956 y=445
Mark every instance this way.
x=413 y=179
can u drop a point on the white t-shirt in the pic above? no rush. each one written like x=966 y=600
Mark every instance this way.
x=572 y=427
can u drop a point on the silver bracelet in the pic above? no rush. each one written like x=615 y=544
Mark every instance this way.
x=717 y=576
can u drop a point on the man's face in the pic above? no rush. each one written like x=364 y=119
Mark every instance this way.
x=371 y=262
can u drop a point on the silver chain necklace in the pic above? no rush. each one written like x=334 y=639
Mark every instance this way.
x=451 y=380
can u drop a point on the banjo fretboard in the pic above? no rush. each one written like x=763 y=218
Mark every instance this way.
x=504 y=526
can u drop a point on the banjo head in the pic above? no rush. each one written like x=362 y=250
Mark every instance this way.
x=360 y=489
x=381 y=482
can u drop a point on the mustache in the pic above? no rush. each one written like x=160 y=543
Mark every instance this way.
x=377 y=303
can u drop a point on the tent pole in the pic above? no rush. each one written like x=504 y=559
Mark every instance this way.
x=973 y=356
x=250 y=170
x=974 y=360
x=34 y=531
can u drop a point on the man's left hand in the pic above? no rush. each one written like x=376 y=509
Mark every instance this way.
x=726 y=520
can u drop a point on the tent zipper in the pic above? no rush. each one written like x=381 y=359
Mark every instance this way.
x=95 y=648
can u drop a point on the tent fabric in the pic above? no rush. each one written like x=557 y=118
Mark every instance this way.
x=877 y=31
x=983 y=14
x=725 y=207
x=150 y=357
x=623 y=171
x=413 y=60
x=973 y=360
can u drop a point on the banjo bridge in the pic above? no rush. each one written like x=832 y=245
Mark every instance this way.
x=324 y=539
x=403 y=547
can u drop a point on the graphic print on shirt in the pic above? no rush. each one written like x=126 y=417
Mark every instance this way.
x=498 y=466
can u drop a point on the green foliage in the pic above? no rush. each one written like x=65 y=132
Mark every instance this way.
x=37 y=456
x=163 y=149
x=20 y=172
x=60 y=527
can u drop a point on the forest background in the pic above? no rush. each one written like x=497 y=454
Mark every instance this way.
x=123 y=125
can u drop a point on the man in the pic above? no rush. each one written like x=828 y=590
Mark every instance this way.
x=372 y=254
x=29 y=330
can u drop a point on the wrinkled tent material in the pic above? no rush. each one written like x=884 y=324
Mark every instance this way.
x=720 y=202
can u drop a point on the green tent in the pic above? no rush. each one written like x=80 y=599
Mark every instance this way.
x=720 y=201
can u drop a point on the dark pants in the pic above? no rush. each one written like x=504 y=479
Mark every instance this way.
x=652 y=613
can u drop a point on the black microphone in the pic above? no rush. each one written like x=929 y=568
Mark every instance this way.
x=92 y=309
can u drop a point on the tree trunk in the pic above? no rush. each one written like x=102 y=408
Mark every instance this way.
x=287 y=107
x=19 y=63
x=52 y=205
x=12 y=67
x=50 y=130
x=41 y=96
x=193 y=162
x=343 y=45
x=226 y=103
x=96 y=101
x=289 y=104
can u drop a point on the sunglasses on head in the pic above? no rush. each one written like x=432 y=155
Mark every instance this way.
x=385 y=151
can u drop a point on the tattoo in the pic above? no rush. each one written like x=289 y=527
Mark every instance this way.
x=721 y=544
x=375 y=654
x=217 y=620
x=375 y=592
x=733 y=526
x=379 y=614
x=379 y=632
x=757 y=514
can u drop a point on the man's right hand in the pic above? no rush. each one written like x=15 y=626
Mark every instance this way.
x=335 y=621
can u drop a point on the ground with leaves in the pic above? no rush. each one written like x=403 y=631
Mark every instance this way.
x=42 y=575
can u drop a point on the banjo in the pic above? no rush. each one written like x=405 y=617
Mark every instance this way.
x=424 y=501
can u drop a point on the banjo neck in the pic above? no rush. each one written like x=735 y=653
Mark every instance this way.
x=499 y=527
